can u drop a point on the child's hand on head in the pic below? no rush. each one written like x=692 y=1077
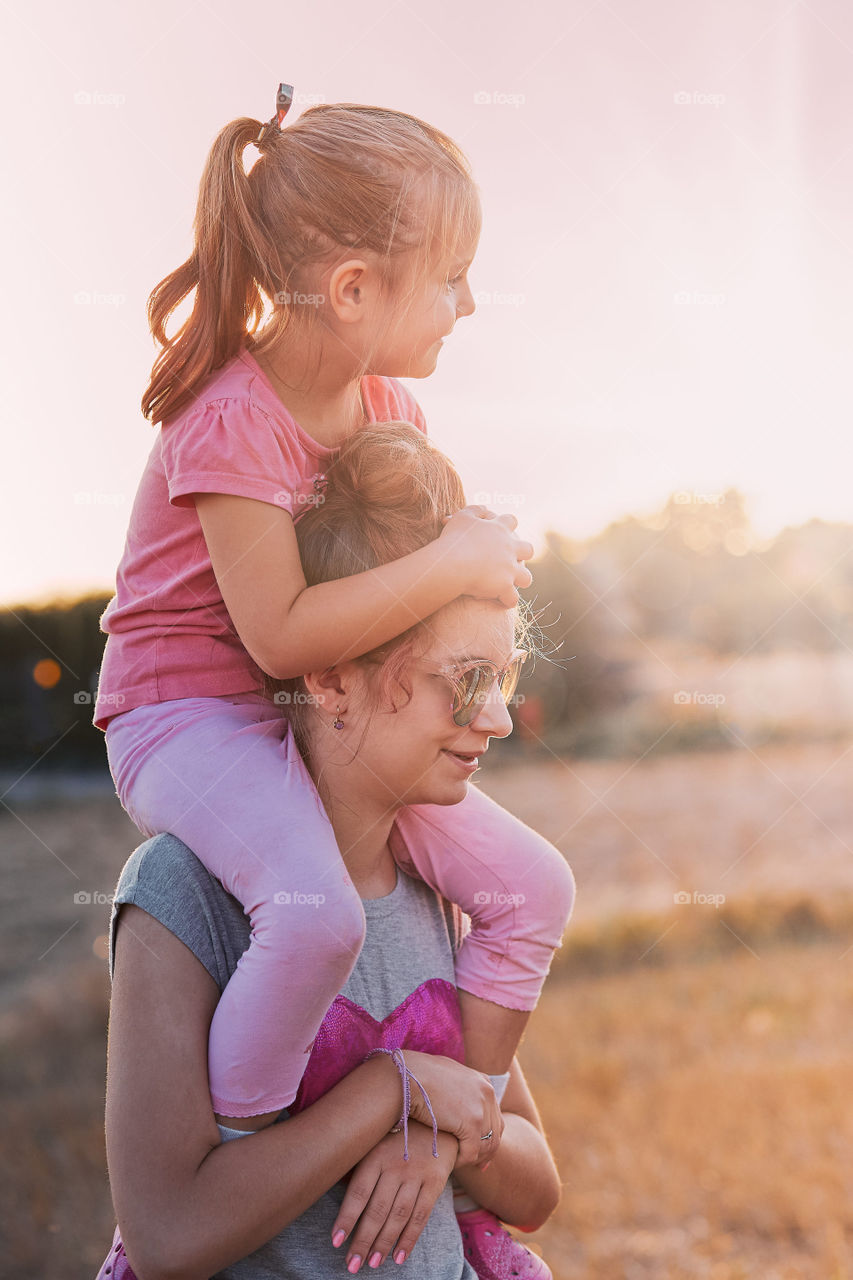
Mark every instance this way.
x=489 y=558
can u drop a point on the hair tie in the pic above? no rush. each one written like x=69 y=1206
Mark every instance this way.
x=283 y=100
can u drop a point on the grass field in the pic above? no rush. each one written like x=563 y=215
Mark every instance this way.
x=692 y=1061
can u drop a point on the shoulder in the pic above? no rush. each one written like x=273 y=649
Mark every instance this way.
x=392 y=402
x=236 y=395
x=165 y=878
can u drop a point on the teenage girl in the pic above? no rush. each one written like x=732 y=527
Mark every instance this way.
x=358 y=224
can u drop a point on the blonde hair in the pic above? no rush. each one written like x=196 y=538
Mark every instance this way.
x=388 y=491
x=340 y=179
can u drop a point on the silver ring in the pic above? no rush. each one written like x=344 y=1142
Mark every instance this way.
x=487 y=1137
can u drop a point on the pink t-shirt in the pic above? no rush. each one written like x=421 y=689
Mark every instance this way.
x=169 y=632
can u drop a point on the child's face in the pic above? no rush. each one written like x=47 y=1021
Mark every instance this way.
x=409 y=345
x=417 y=754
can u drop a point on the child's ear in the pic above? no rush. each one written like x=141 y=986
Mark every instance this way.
x=346 y=290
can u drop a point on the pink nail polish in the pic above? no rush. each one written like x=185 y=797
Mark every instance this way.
x=339 y=1237
x=354 y=1264
x=375 y=1259
x=400 y=1256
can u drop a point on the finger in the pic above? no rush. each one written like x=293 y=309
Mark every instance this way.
x=488 y=1149
x=509 y=520
x=523 y=578
x=398 y=1218
x=471 y=1147
x=494 y=1123
x=373 y=1218
x=358 y=1193
x=523 y=550
x=509 y=598
x=418 y=1219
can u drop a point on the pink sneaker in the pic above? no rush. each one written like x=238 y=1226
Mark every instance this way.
x=492 y=1251
x=115 y=1265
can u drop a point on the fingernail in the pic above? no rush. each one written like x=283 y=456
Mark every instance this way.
x=339 y=1237
x=400 y=1255
x=375 y=1259
x=354 y=1264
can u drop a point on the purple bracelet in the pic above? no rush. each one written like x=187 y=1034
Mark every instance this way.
x=396 y=1056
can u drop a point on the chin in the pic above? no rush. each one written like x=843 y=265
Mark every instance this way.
x=446 y=793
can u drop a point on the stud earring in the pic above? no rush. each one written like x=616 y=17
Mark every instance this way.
x=337 y=723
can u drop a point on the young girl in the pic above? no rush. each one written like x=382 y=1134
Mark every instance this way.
x=359 y=224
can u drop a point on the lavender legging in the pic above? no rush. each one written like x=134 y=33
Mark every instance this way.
x=223 y=774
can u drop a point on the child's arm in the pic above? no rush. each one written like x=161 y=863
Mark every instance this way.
x=289 y=628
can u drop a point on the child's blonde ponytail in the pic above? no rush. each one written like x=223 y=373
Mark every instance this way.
x=222 y=269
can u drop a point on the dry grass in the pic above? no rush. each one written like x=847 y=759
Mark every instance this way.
x=692 y=1064
x=701 y=1117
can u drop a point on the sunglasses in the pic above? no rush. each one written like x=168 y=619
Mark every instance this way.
x=473 y=684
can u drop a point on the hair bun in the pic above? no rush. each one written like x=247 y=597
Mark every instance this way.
x=389 y=489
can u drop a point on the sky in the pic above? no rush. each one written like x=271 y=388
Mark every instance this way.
x=663 y=281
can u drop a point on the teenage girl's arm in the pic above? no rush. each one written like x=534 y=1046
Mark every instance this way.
x=187 y=1204
x=520 y=1184
x=289 y=628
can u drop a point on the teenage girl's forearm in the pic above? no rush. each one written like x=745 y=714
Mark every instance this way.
x=521 y=1184
x=247 y=1190
x=336 y=621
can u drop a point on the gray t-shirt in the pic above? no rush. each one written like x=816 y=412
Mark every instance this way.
x=410 y=938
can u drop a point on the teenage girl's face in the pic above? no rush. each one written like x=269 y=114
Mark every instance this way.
x=409 y=345
x=417 y=754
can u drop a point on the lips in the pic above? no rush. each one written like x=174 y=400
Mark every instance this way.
x=466 y=760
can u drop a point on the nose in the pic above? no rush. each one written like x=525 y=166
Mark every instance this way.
x=465 y=304
x=493 y=717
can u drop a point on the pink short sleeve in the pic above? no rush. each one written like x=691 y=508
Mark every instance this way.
x=231 y=446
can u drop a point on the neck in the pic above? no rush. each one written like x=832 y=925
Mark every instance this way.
x=329 y=408
x=362 y=824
